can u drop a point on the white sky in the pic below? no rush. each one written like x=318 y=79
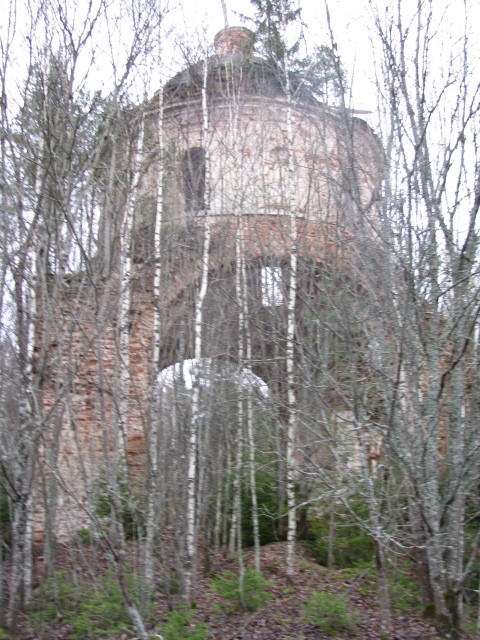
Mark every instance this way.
x=200 y=20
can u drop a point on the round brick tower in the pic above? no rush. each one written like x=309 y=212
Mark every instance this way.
x=238 y=173
x=336 y=168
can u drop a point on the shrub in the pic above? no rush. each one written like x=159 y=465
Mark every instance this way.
x=58 y=596
x=171 y=583
x=91 y=613
x=269 y=516
x=404 y=591
x=352 y=545
x=253 y=596
x=84 y=537
x=133 y=520
x=328 y=612
x=101 y=614
x=179 y=626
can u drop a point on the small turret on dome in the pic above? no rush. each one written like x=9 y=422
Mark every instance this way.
x=234 y=41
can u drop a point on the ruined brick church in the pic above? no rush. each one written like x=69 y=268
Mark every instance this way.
x=239 y=175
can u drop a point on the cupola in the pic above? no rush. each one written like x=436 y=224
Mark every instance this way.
x=234 y=41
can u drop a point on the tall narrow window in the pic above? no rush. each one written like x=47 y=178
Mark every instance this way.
x=272 y=287
x=193 y=168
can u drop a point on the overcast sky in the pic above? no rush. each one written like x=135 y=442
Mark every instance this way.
x=200 y=20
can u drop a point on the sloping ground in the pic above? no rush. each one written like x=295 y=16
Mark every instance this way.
x=283 y=617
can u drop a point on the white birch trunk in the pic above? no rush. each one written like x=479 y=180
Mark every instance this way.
x=19 y=526
x=27 y=316
x=115 y=461
x=153 y=434
x=235 y=530
x=244 y=329
x=251 y=440
x=290 y=346
x=28 y=555
x=191 y=542
x=123 y=403
x=218 y=518
x=124 y=311
x=34 y=425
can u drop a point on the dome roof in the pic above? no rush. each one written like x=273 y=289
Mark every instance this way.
x=233 y=65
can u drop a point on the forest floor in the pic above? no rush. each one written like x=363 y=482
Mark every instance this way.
x=284 y=616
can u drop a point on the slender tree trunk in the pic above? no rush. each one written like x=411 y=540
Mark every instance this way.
x=376 y=528
x=191 y=541
x=252 y=463
x=331 y=535
x=27 y=296
x=153 y=434
x=19 y=527
x=290 y=340
x=125 y=259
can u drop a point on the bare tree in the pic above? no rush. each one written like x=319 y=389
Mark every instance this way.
x=420 y=289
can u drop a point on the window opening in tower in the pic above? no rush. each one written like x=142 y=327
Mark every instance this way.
x=193 y=168
x=272 y=286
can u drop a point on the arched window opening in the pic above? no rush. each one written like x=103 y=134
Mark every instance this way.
x=193 y=168
x=211 y=373
x=273 y=294
x=267 y=282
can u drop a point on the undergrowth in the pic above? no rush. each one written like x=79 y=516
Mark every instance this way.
x=352 y=544
x=90 y=612
x=251 y=597
x=179 y=626
x=403 y=590
x=328 y=612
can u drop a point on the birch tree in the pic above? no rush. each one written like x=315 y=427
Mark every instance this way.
x=191 y=533
x=152 y=435
x=433 y=196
